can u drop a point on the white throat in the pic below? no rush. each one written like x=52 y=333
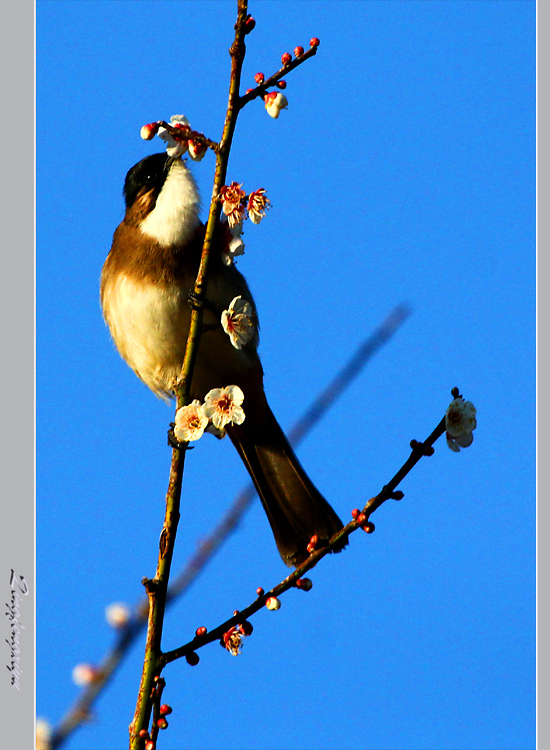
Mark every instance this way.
x=176 y=213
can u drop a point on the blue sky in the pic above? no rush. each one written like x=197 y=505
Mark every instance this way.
x=403 y=170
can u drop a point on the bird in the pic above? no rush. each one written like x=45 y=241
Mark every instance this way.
x=145 y=288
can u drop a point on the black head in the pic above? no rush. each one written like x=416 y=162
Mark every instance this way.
x=148 y=174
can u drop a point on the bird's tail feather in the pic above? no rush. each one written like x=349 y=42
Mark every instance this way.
x=294 y=506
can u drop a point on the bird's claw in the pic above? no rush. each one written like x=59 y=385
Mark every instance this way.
x=173 y=442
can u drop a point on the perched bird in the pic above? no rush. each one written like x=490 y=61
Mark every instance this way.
x=145 y=286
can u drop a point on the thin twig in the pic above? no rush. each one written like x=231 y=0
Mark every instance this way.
x=418 y=451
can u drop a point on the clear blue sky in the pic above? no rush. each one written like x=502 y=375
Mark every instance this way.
x=403 y=170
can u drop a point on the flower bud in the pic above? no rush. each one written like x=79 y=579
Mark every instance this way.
x=286 y=58
x=260 y=591
x=313 y=542
x=165 y=709
x=298 y=51
x=84 y=674
x=247 y=628
x=117 y=614
x=368 y=528
x=149 y=131
x=273 y=603
x=197 y=150
x=304 y=583
x=162 y=723
x=314 y=42
x=192 y=659
x=199 y=632
x=355 y=513
x=281 y=84
x=259 y=78
x=249 y=24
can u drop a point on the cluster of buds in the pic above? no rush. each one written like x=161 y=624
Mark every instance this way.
x=362 y=521
x=221 y=406
x=313 y=542
x=286 y=59
x=179 y=140
x=164 y=710
x=238 y=206
x=232 y=640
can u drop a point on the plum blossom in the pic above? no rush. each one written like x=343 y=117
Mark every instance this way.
x=197 y=150
x=235 y=246
x=258 y=204
x=232 y=205
x=223 y=406
x=176 y=146
x=191 y=422
x=460 y=421
x=238 y=322
x=274 y=103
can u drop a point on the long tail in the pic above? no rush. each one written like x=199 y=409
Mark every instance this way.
x=295 y=508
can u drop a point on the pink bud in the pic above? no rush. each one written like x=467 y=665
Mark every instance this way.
x=162 y=723
x=260 y=591
x=165 y=709
x=259 y=78
x=313 y=542
x=281 y=84
x=314 y=42
x=199 y=632
x=249 y=24
x=298 y=51
x=304 y=583
x=368 y=527
x=355 y=512
x=273 y=603
x=149 y=131
x=286 y=58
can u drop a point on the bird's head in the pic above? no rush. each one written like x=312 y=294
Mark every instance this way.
x=162 y=198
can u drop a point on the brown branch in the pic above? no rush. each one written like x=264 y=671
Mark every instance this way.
x=361 y=521
x=261 y=89
x=157 y=588
x=188 y=135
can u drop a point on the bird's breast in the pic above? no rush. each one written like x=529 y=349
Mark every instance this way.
x=149 y=324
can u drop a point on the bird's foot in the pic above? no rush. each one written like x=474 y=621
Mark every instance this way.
x=173 y=442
